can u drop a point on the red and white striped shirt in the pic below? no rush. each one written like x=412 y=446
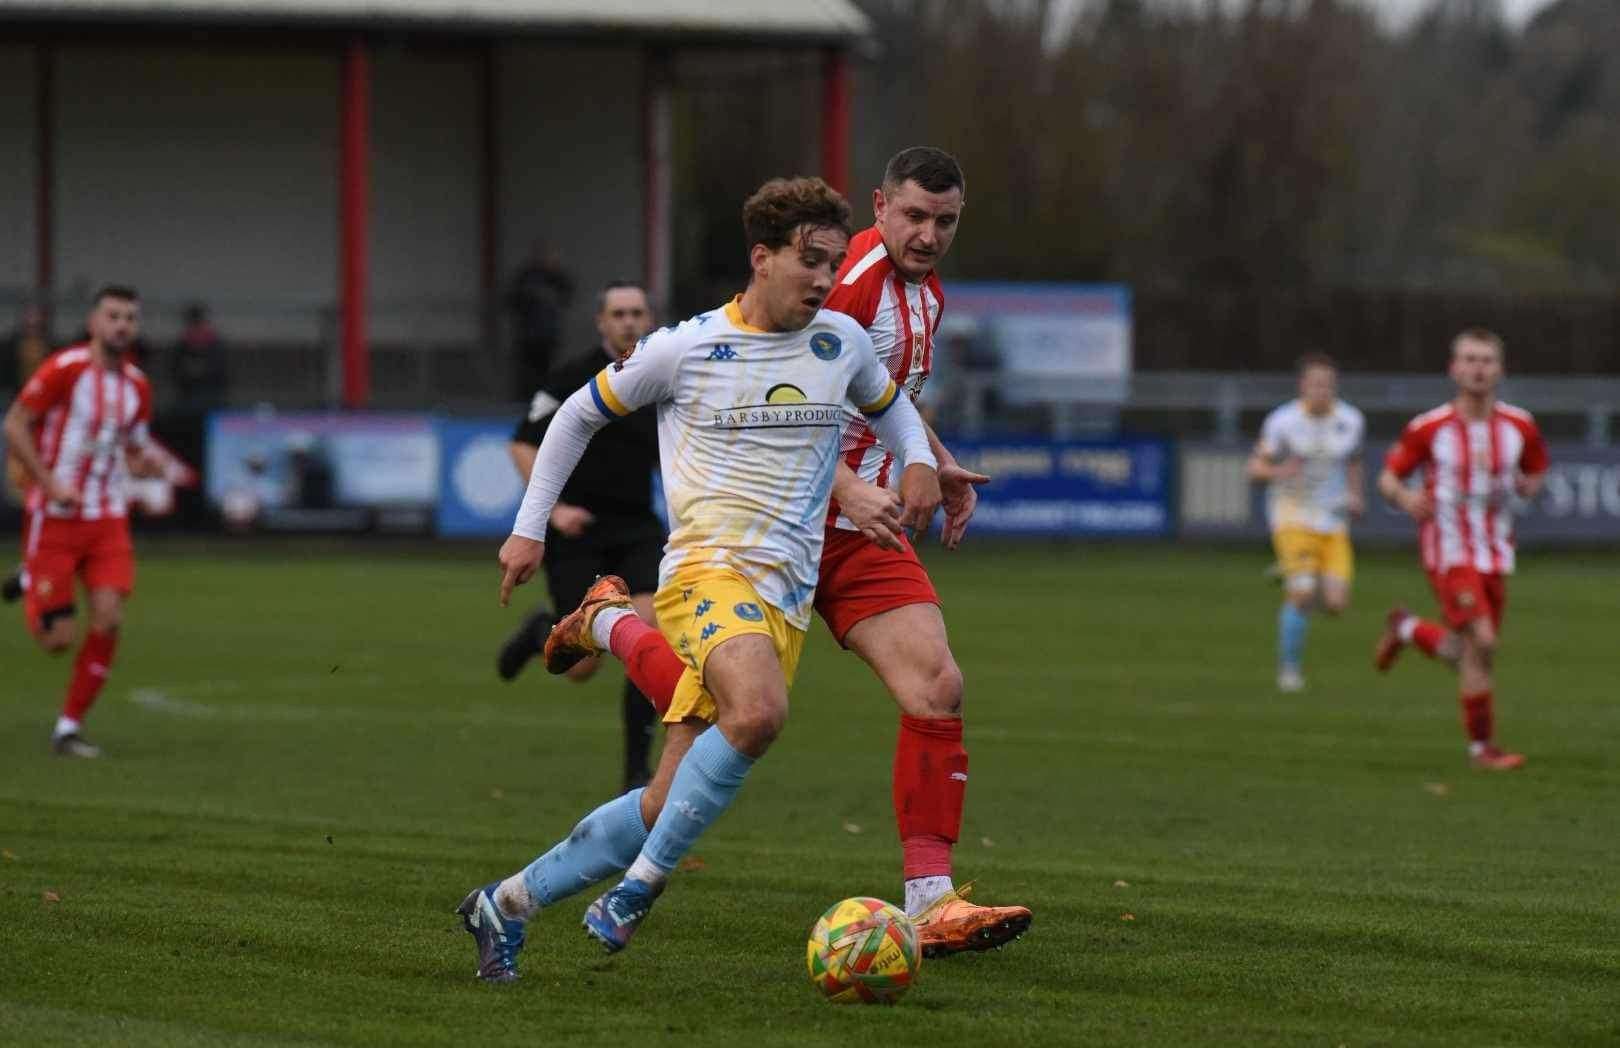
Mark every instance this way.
x=902 y=318
x=87 y=416
x=1470 y=466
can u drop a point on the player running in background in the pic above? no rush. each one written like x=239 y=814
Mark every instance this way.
x=874 y=594
x=1478 y=455
x=79 y=428
x=1309 y=454
x=603 y=523
x=751 y=398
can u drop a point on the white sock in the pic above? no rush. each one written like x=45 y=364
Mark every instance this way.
x=1407 y=627
x=646 y=872
x=1476 y=748
x=512 y=898
x=65 y=726
x=602 y=626
x=920 y=891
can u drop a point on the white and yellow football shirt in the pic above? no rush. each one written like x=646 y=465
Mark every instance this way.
x=748 y=435
x=1317 y=499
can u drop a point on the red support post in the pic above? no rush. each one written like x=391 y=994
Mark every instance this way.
x=835 y=105
x=44 y=179
x=353 y=218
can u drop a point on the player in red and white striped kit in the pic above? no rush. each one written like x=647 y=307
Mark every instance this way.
x=79 y=430
x=1478 y=456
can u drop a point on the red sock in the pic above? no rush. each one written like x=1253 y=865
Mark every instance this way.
x=1427 y=637
x=930 y=782
x=649 y=661
x=1478 y=718
x=89 y=673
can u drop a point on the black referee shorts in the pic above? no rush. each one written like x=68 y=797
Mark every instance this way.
x=630 y=547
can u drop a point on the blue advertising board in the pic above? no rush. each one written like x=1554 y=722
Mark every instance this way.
x=479 y=490
x=1076 y=489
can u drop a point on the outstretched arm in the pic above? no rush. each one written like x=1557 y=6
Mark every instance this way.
x=565 y=441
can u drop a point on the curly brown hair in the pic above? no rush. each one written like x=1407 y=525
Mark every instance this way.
x=780 y=207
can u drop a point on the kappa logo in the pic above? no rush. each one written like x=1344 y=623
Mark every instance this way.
x=825 y=345
x=748 y=611
x=710 y=630
x=703 y=608
x=722 y=352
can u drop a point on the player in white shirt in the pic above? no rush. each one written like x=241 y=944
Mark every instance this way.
x=752 y=398
x=1309 y=453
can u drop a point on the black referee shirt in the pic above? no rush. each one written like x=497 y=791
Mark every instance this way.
x=614 y=477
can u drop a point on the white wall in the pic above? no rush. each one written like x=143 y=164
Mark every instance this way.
x=571 y=141
x=17 y=116
x=200 y=172
x=426 y=186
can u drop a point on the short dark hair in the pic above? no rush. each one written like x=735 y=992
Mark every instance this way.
x=933 y=169
x=119 y=291
x=1481 y=334
x=1315 y=359
x=619 y=285
x=781 y=206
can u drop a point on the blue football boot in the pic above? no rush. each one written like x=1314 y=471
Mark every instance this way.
x=499 y=937
x=615 y=916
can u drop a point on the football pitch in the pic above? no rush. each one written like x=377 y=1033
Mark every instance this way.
x=311 y=762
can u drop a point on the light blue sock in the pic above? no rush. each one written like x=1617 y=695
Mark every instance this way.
x=1291 y=627
x=708 y=777
x=604 y=843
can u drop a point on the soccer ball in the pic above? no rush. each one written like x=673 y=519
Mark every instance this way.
x=863 y=951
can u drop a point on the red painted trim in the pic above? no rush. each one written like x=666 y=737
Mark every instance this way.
x=353 y=214
x=44 y=177
x=836 y=91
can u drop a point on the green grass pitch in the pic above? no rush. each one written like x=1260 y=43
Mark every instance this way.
x=311 y=761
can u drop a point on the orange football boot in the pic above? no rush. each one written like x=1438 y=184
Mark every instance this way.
x=570 y=639
x=1493 y=759
x=1390 y=644
x=951 y=924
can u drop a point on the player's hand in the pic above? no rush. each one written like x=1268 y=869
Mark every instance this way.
x=1356 y=504
x=61 y=492
x=143 y=464
x=520 y=559
x=919 y=497
x=1418 y=503
x=571 y=520
x=874 y=510
x=958 y=494
x=1528 y=485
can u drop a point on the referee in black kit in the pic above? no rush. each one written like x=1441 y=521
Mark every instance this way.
x=604 y=522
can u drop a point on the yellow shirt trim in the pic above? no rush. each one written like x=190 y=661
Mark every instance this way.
x=734 y=314
x=605 y=392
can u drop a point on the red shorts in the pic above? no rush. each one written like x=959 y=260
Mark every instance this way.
x=860 y=579
x=98 y=551
x=1465 y=594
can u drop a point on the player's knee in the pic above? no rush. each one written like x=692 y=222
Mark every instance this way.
x=57 y=641
x=1301 y=592
x=1335 y=603
x=753 y=725
x=942 y=695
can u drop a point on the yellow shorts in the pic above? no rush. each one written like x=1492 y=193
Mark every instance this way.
x=1305 y=553
x=704 y=606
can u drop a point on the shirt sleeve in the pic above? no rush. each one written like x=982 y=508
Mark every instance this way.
x=893 y=417
x=571 y=429
x=1534 y=458
x=46 y=388
x=646 y=376
x=140 y=431
x=1358 y=433
x=1271 y=436
x=1409 y=452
